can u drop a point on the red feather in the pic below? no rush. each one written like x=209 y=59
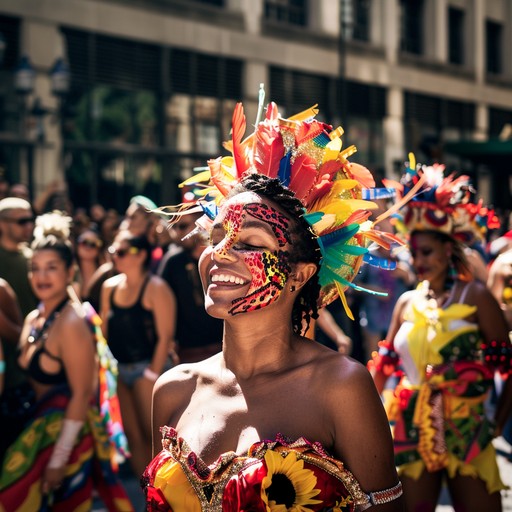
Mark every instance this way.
x=319 y=190
x=269 y=149
x=303 y=176
x=216 y=171
x=331 y=167
x=238 y=126
x=362 y=174
x=272 y=113
x=357 y=217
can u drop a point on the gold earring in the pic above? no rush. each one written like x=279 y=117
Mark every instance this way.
x=292 y=288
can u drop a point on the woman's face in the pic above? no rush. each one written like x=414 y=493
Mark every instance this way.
x=48 y=274
x=246 y=265
x=88 y=245
x=123 y=254
x=431 y=256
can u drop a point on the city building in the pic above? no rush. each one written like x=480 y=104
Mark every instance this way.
x=128 y=96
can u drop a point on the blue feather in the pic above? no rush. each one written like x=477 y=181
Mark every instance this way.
x=210 y=209
x=340 y=235
x=376 y=261
x=285 y=169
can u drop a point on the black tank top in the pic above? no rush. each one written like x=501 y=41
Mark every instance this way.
x=34 y=370
x=131 y=330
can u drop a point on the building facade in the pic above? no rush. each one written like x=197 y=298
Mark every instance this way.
x=153 y=84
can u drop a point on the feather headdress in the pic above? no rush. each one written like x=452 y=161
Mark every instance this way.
x=443 y=203
x=307 y=156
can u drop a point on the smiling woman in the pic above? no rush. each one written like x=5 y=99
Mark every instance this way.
x=269 y=420
x=445 y=336
x=63 y=450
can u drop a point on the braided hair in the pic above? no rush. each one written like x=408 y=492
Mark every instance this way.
x=304 y=247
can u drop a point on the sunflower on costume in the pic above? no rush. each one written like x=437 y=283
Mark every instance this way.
x=288 y=486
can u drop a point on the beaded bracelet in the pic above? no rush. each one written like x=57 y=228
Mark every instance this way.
x=498 y=354
x=385 y=360
x=387 y=495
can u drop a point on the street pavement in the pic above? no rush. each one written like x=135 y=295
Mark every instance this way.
x=131 y=483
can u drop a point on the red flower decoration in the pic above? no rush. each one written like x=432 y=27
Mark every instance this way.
x=155 y=501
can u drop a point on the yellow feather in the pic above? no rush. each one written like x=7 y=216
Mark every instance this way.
x=325 y=223
x=332 y=150
x=412 y=161
x=347 y=152
x=197 y=178
x=344 y=300
x=338 y=132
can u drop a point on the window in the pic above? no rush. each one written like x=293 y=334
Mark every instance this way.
x=361 y=30
x=10 y=29
x=365 y=107
x=494 y=47
x=430 y=120
x=411 y=27
x=293 y=12
x=455 y=36
x=218 y=3
x=497 y=120
x=139 y=116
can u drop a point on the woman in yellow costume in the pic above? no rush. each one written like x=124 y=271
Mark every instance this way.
x=444 y=343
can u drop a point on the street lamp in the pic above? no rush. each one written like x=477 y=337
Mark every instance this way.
x=346 y=23
x=24 y=76
x=60 y=76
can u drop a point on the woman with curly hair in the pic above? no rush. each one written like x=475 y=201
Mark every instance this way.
x=276 y=421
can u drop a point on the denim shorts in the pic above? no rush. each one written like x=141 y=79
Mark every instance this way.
x=130 y=372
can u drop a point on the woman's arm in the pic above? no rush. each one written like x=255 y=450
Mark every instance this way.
x=493 y=327
x=362 y=434
x=163 y=305
x=77 y=351
x=328 y=324
x=10 y=314
x=376 y=370
x=106 y=291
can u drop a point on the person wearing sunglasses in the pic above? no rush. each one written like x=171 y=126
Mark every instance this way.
x=139 y=316
x=16 y=228
x=89 y=256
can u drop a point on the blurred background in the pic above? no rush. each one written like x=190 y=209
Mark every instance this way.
x=114 y=98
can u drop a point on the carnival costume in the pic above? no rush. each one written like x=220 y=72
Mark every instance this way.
x=281 y=474
x=445 y=370
x=96 y=451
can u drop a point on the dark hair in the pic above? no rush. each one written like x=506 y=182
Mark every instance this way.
x=304 y=247
x=458 y=259
x=61 y=246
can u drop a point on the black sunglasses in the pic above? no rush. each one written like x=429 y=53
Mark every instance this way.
x=121 y=253
x=23 y=221
x=91 y=244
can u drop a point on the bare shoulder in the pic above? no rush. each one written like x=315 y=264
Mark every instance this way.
x=173 y=390
x=477 y=293
x=342 y=376
x=73 y=325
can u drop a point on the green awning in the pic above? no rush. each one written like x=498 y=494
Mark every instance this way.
x=483 y=151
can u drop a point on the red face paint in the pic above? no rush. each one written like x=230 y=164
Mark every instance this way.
x=269 y=269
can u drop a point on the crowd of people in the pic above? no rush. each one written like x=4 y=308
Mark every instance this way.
x=210 y=313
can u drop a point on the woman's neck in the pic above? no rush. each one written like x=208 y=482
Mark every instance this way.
x=135 y=277
x=47 y=306
x=255 y=347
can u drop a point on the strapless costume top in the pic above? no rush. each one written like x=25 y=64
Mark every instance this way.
x=276 y=476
